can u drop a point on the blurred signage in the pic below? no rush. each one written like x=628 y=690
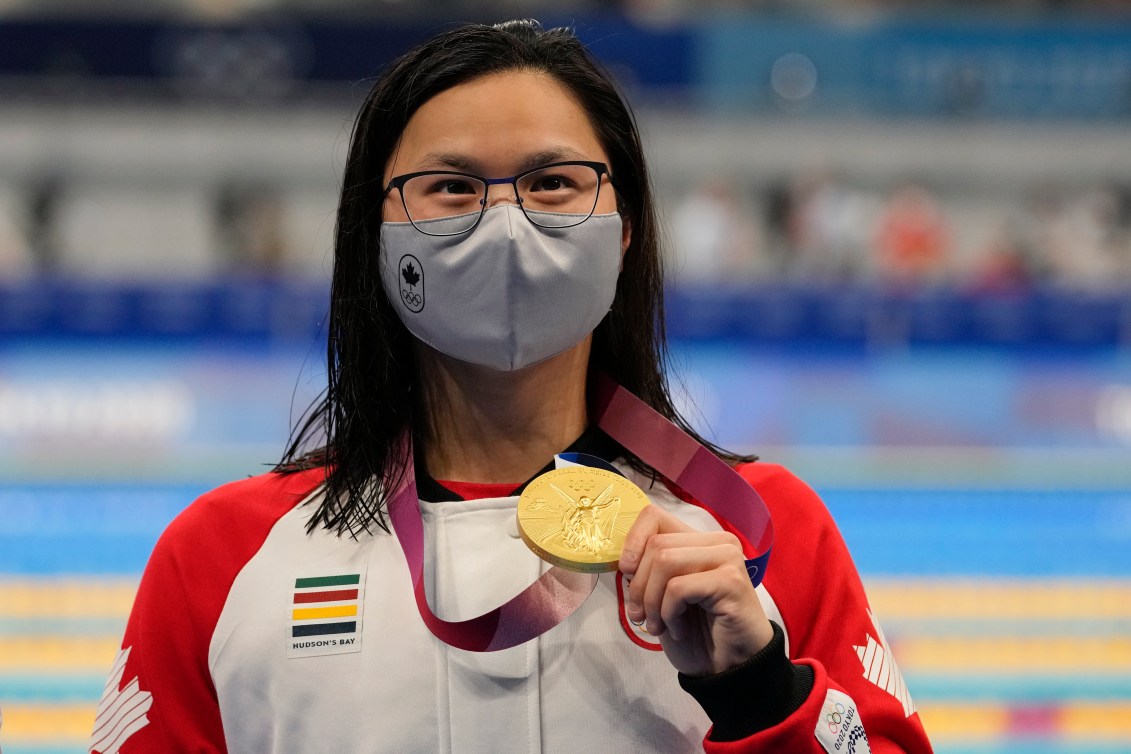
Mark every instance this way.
x=1113 y=412
x=106 y=380
x=119 y=411
x=267 y=309
x=875 y=316
x=938 y=67
x=1058 y=67
x=1055 y=69
x=294 y=310
x=284 y=56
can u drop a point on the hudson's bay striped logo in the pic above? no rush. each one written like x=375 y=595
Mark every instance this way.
x=325 y=615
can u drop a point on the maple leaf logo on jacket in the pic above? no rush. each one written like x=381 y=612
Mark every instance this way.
x=879 y=667
x=122 y=711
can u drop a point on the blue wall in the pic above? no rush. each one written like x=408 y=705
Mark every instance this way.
x=1055 y=66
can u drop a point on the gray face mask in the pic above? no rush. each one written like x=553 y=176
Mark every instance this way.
x=507 y=295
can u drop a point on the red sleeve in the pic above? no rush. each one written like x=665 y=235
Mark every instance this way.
x=857 y=691
x=160 y=695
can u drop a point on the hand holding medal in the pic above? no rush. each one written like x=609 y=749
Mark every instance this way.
x=690 y=588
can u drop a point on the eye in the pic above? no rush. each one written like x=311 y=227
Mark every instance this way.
x=450 y=185
x=551 y=182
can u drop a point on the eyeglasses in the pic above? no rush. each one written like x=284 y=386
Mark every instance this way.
x=446 y=203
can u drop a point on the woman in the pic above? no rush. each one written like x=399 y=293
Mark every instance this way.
x=496 y=271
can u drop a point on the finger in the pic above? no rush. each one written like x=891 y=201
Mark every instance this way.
x=721 y=592
x=637 y=583
x=669 y=563
x=652 y=520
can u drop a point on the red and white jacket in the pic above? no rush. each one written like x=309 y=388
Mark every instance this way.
x=248 y=635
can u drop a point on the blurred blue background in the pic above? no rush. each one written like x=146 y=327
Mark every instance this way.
x=899 y=240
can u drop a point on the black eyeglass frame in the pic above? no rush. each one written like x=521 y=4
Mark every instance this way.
x=399 y=181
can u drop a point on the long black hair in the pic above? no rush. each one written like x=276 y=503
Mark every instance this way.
x=354 y=428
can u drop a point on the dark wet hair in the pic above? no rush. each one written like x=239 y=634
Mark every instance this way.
x=353 y=429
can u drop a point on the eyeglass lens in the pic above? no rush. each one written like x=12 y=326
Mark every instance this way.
x=557 y=196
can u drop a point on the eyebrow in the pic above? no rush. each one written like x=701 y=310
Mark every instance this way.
x=468 y=164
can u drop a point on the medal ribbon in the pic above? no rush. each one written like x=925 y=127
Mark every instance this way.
x=677 y=456
x=532 y=612
x=558 y=592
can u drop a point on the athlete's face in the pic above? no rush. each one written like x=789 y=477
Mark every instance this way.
x=496 y=126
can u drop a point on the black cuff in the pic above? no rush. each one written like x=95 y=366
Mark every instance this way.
x=753 y=696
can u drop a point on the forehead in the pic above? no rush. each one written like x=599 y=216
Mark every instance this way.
x=494 y=124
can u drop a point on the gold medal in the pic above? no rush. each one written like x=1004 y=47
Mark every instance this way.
x=577 y=517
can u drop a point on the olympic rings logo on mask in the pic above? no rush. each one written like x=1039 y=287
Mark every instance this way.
x=412 y=299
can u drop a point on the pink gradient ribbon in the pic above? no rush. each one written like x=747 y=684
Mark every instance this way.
x=557 y=593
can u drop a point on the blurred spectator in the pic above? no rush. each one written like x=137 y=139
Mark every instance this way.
x=249 y=221
x=1123 y=232
x=15 y=253
x=830 y=228
x=713 y=236
x=1078 y=238
x=912 y=238
x=1004 y=264
x=135 y=230
x=45 y=197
